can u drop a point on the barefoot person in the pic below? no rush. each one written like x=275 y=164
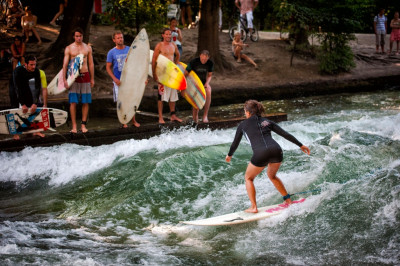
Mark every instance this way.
x=395 y=34
x=170 y=51
x=28 y=23
x=266 y=151
x=81 y=89
x=115 y=63
x=29 y=82
x=204 y=68
x=238 y=47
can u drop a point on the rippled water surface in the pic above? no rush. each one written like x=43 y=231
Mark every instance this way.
x=121 y=204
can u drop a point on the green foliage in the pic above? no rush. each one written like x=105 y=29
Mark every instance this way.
x=333 y=21
x=335 y=54
x=131 y=15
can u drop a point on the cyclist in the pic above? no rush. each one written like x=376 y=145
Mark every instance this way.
x=246 y=8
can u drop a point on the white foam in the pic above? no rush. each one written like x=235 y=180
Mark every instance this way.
x=63 y=164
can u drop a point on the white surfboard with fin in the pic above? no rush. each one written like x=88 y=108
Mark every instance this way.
x=133 y=78
x=243 y=217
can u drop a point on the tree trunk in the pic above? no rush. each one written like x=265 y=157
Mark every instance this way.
x=209 y=33
x=78 y=13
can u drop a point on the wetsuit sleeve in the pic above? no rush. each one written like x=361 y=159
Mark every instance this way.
x=236 y=140
x=278 y=130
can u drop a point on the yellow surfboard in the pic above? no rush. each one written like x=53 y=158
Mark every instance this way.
x=168 y=73
x=195 y=93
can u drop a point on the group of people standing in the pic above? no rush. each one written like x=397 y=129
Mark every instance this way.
x=381 y=28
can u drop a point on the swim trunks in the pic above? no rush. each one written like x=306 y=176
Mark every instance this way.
x=80 y=90
x=168 y=94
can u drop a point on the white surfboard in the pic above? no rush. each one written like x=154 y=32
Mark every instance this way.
x=14 y=121
x=243 y=217
x=57 y=86
x=168 y=72
x=133 y=78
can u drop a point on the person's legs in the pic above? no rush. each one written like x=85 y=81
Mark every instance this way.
x=248 y=59
x=251 y=172
x=383 y=43
x=271 y=172
x=72 y=110
x=85 y=112
x=183 y=14
x=195 y=114
x=60 y=11
x=26 y=33
x=237 y=53
x=377 y=42
x=160 y=112
x=136 y=124
x=390 y=46
x=397 y=51
x=172 y=110
x=37 y=36
x=207 y=104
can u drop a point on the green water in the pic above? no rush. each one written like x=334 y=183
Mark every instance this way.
x=121 y=204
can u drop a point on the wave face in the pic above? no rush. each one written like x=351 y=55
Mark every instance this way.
x=122 y=203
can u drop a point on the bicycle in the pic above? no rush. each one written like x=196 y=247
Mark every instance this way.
x=244 y=31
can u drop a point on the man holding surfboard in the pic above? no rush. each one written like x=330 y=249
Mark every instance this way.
x=28 y=81
x=115 y=63
x=170 y=51
x=81 y=89
x=204 y=68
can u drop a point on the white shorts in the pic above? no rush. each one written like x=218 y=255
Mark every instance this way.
x=115 y=92
x=249 y=17
x=169 y=95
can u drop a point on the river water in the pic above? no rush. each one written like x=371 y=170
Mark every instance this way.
x=121 y=204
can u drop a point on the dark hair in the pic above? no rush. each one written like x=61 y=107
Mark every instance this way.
x=254 y=107
x=28 y=8
x=30 y=58
x=173 y=18
x=78 y=29
x=205 y=52
x=17 y=37
x=165 y=29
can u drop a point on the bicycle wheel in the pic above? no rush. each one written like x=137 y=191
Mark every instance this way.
x=234 y=29
x=254 y=35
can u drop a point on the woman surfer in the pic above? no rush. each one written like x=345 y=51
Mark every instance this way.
x=266 y=151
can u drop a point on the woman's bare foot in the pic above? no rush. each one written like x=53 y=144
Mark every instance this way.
x=161 y=121
x=252 y=210
x=205 y=120
x=288 y=201
x=16 y=137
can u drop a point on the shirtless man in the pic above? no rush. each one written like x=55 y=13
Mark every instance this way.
x=169 y=50
x=81 y=89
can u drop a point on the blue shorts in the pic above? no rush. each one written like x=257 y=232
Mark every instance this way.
x=80 y=90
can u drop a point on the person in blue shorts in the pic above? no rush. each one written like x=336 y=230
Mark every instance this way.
x=81 y=89
x=266 y=151
x=115 y=63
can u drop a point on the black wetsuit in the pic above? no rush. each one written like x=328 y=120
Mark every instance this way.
x=258 y=132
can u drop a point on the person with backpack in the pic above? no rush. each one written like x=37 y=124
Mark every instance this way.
x=380 y=28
